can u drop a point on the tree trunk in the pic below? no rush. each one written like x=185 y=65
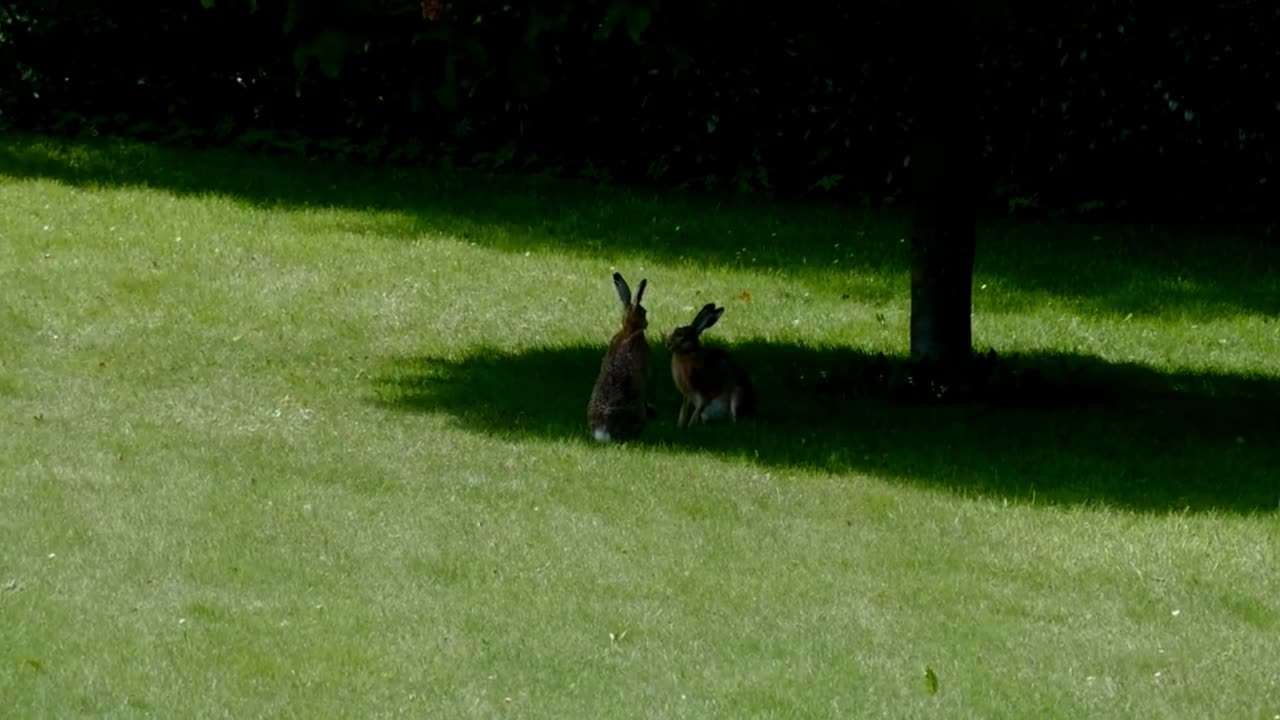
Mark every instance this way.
x=945 y=162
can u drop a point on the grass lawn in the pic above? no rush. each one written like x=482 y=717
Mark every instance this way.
x=284 y=440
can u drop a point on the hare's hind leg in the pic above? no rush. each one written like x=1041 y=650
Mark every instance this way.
x=684 y=411
x=699 y=404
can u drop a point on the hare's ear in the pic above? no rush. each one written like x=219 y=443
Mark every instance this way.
x=640 y=290
x=624 y=290
x=707 y=317
x=703 y=312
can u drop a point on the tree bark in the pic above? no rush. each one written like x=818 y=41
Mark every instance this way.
x=943 y=239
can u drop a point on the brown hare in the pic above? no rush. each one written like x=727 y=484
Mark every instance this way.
x=618 y=408
x=712 y=383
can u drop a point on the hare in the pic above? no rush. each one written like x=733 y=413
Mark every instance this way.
x=618 y=407
x=712 y=383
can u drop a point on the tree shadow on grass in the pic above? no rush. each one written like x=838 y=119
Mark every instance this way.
x=1059 y=429
x=1121 y=267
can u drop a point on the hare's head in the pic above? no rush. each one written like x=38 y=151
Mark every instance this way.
x=634 y=318
x=685 y=337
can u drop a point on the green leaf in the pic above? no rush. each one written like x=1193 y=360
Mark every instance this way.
x=827 y=182
x=637 y=20
x=330 y=50
x=301 y=54
x=930 y=680
x=291 y=15
x=610 y=21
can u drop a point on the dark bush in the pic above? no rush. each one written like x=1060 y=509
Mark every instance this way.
x=1088 y=106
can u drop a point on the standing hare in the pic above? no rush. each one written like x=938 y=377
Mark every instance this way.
x=713 y=384
x=618 y=409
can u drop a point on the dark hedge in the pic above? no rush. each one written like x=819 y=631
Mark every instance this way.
x=1087 y=106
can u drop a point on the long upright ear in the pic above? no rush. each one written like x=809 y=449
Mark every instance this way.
x=640 y=290
x=707 y=319
x=702 y=313
x=624 y=290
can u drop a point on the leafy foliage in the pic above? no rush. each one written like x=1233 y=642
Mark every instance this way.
x=1088 y=106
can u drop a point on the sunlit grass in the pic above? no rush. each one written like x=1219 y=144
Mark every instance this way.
x=295 y=441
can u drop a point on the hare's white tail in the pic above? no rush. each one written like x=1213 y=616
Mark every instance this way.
x=601 y=434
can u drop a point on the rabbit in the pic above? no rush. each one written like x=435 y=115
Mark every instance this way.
x=618 y=407
x=712 y=383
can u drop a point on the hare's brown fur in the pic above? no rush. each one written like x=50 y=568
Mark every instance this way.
x=708 y=378
x=618 y=407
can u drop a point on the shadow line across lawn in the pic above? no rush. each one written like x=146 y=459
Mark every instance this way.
x=1088 y=432
x=1124 y=268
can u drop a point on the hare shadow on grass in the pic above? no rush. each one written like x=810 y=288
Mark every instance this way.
x=1060 y=429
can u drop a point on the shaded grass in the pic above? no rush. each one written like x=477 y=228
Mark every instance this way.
x=275 y=441
x=1092 y=433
